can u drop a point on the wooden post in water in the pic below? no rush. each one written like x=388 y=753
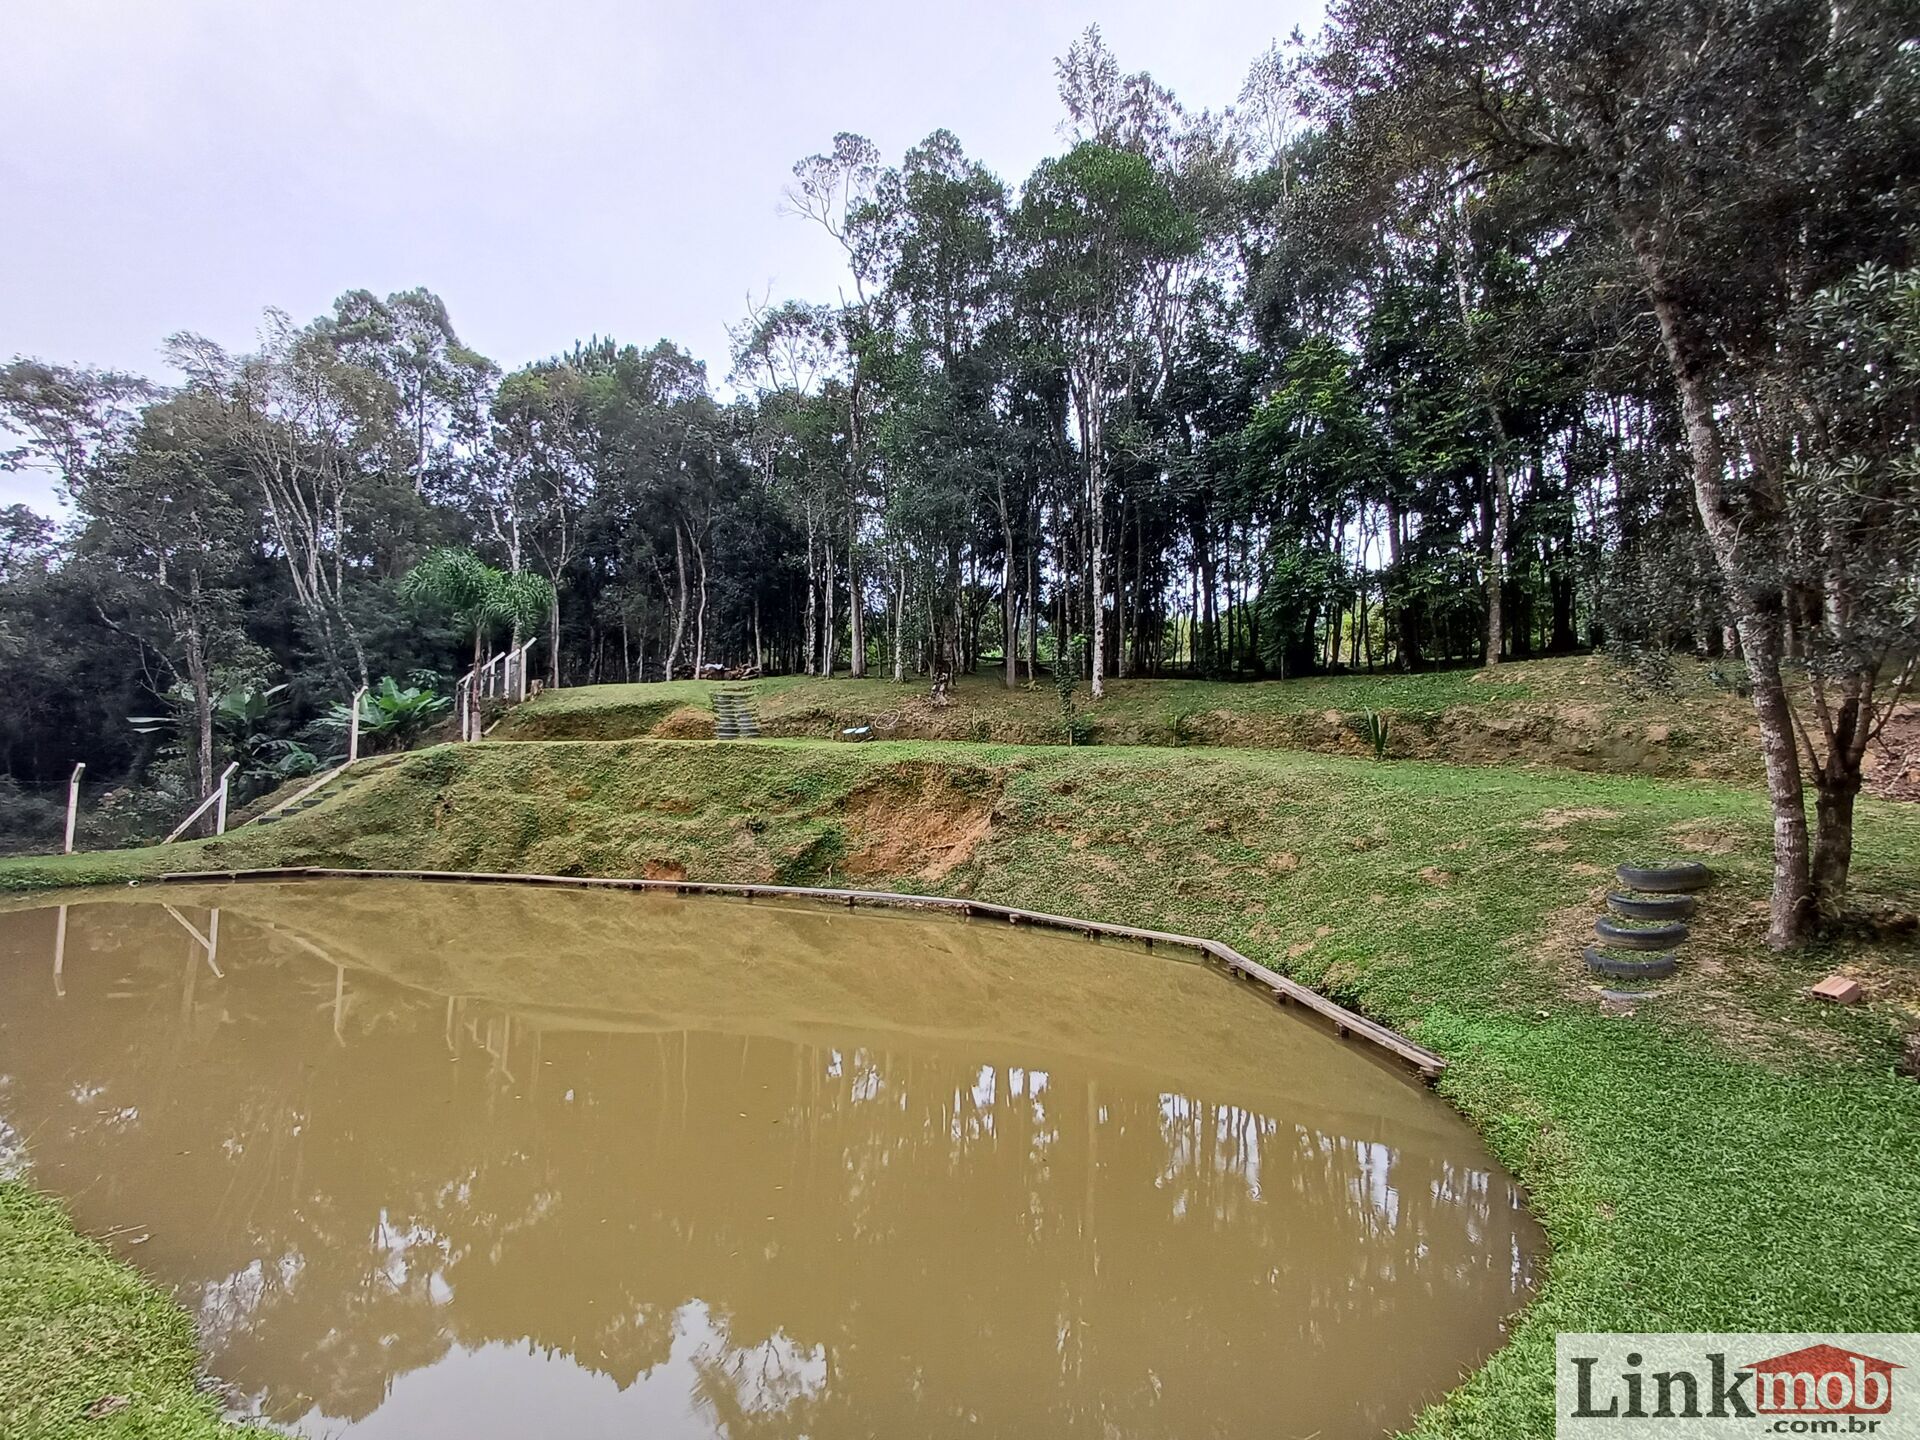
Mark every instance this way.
x=73 y=809
x=60 y=955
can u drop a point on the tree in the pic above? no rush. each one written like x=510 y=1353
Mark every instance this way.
x=164 y=534
x=65 y=416
x=1742 y=154
x=833 y=190
x=1852 y=496
x=480 y=598
x=790 y=354
x=546 y=443
x=296 y=412
x=1095 y=222
x=935 y=235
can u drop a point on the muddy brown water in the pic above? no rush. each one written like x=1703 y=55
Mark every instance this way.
x=435 y=1160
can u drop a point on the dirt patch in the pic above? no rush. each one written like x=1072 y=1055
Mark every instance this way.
x=1283 y=862
x=663 y=870
x=1434 y=875
x=1560 y=817
x=922 y=820
x=1892 y=766
x=1703 y=837
x=685 y=723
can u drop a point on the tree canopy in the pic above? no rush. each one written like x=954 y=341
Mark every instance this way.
x=1470 y=332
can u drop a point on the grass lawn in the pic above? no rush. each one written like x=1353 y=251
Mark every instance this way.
x=1729 y=1156
x=1578 y=713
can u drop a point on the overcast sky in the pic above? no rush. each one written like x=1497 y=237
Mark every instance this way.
x=552 y=171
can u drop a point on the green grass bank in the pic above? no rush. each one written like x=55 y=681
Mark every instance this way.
x=1728 y=1156
x=1580 y=713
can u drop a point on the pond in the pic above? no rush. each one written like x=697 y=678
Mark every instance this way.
x=509 y=1161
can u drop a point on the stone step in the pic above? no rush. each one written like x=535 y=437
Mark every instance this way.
x=733 y=715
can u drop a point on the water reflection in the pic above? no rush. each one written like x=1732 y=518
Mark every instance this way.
x=618 y=1170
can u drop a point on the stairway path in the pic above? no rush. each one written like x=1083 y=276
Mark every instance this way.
x=734 y=716
x=339 y=782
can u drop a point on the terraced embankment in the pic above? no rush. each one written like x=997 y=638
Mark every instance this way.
x=1729 y=1157
x=1580 y=713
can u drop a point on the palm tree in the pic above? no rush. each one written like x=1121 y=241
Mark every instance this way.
x=480 y=598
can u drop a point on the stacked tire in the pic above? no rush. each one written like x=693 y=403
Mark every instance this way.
x=1646 y=920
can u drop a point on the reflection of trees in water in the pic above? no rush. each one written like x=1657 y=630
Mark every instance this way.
x=352 y=1177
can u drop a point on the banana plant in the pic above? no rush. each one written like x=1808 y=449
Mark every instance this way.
x=390 y=713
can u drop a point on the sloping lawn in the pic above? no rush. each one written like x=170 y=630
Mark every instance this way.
x=1730 y=1156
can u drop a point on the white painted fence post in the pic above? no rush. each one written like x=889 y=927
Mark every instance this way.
x=73 y=803
x=220 y=812
x=521 y=679
x=467 y=695
x=353 y=726
x=219 y=797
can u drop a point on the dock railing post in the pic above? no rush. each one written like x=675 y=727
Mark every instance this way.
x=73 y=804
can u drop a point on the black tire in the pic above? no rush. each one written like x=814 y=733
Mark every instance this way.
x=1629 y=967
x=1688 y=876
x=1651 y=907
x=1638 y=937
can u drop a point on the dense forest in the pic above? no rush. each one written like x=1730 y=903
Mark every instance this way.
x=1470 y=332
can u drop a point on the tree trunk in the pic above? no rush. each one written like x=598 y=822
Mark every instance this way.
x=700 y=616
x=1406 y=617
x=856 y=612
x=813 y=599
x=1497 y=551
x=827 y=635
x=201 y=681
x=1758 y=608
x=1120 y=594
x=1833 y=849
x=900 y=625
x=856 y=602
x=473 y=688
x=679 y=599
x=1033 y=609
x=1096 y=545
x=1836 y=780
x=1009 y=605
